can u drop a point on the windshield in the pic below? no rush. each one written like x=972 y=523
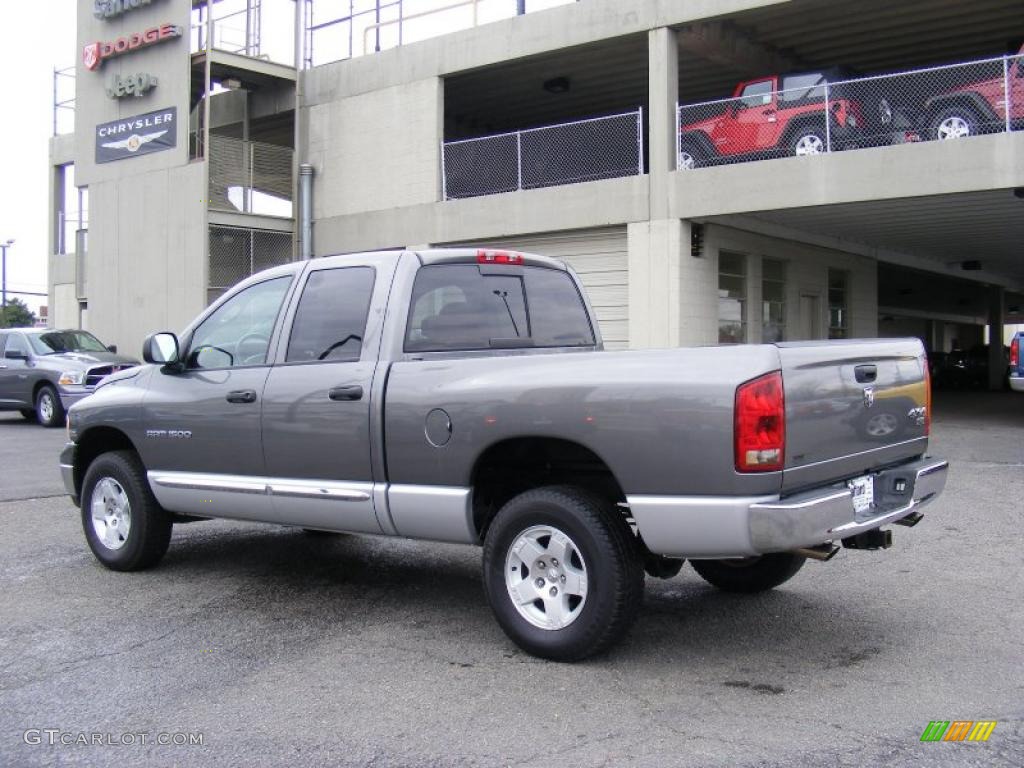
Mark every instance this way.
x=65 y=341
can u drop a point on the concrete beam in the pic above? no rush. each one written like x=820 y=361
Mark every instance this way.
x=723 y=43
x=907 y=170
x=996 y=361
x=575 y=206
x=663 y=87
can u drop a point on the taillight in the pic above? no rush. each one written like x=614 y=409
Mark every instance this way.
x=498 y=257
x=760 y=427
x=1015 y=352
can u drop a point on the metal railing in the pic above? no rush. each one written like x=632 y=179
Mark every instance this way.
x=250 y=176
x=816 y=116
x=368 y=26
x=237 y=27
x=565 y=153
x=63 y=100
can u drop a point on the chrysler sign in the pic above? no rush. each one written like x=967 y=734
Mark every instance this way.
x=94 y=54
x=139 y=135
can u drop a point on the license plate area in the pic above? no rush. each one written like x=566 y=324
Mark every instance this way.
x=862 y=491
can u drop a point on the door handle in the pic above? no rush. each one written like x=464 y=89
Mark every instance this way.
x=242 y=396
x=865 y=374
x=353 y=392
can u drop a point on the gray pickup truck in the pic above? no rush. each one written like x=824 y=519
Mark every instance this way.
x=465 y=396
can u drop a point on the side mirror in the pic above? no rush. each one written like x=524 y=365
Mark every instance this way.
x=160 y=348
x=16 y=354
x=112 y=349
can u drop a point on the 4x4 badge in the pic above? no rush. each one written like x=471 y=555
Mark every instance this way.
x=869 y=396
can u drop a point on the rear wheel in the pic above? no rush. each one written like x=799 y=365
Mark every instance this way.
x=955 y=123
x=49 y=409
x=562 y=572
x=750 y=574
x=125 y=527
x=689 y=156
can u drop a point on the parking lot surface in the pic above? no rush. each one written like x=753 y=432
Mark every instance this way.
x=275 y=647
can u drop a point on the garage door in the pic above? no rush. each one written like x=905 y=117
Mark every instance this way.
x=599 y=257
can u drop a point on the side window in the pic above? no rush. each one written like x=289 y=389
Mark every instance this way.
x=455 y=307
x=16 y=343
x=803 y=87
x=557 y=313
x=331 y=317
x=757 y=94
x=238 y=332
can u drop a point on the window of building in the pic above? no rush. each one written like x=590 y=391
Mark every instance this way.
x=732 y=298
x=838 y=304
x=773 y=300
x=331 y=317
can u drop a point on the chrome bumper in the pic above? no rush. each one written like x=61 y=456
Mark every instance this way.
x=719 y=527
x=1017 y=383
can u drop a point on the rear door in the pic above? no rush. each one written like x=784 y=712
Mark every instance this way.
x=318 y=401
x=851 y=407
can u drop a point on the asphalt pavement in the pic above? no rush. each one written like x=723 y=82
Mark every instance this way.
x=276 y=648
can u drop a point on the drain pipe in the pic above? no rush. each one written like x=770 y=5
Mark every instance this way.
x=306 y=211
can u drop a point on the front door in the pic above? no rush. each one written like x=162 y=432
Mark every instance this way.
x=202 y=425
x=15 y=385
x=318 y=399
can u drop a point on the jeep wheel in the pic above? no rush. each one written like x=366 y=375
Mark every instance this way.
x=808 y=141
x=954 y=123
x=562 y=572
x=689 y=157
x=49 y=409
x=127 y=530
x=750 y=574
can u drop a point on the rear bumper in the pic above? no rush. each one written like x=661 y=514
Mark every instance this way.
x=1017 y=383
x=709 y=527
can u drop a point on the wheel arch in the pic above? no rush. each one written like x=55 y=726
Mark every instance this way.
x=799 y=123
x=701 y=142
x=516 y=464
x=964 y=99
x=95 y=442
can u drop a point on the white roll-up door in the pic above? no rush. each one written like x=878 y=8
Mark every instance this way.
x=599 y=256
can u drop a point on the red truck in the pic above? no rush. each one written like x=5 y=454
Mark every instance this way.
x=980 y=106
x=768 y=117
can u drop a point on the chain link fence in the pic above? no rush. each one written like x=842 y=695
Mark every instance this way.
x=823 y=112
x=237 y=252
x=250 y=176
x=566 y=153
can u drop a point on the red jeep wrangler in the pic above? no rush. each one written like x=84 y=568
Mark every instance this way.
x=978 y=107
x=767 y=117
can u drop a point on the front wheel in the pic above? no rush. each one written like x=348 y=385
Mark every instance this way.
x=49 y=409
x=750 y=574
x=562 y=572
x=125 y=526
x=808 y=141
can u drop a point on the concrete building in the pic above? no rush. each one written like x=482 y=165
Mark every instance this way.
x=565 y=131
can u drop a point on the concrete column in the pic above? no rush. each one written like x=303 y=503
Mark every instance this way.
x=663 y=92
x=996 y=361
x=672 y=295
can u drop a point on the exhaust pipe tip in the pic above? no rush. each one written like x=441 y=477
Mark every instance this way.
x=911 y=520
x=822 y=552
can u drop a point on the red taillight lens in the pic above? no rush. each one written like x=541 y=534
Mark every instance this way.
x=760 y=428
x=498 y=257
x=1015 y=352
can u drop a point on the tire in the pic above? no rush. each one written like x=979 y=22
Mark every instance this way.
x=28 y=413
x=752 y=574
x=690 y=156
x=49 y=409
x=954 y=123
x=600 y=558
x=116 y=496
x=807 y=140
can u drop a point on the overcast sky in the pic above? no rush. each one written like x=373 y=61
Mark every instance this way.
x=31 y=46
x=29 y=50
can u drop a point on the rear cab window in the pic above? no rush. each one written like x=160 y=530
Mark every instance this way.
x=461 y=307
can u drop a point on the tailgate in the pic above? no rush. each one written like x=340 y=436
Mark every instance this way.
x=851 y=407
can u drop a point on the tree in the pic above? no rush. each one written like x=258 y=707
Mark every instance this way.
x=16 y=315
